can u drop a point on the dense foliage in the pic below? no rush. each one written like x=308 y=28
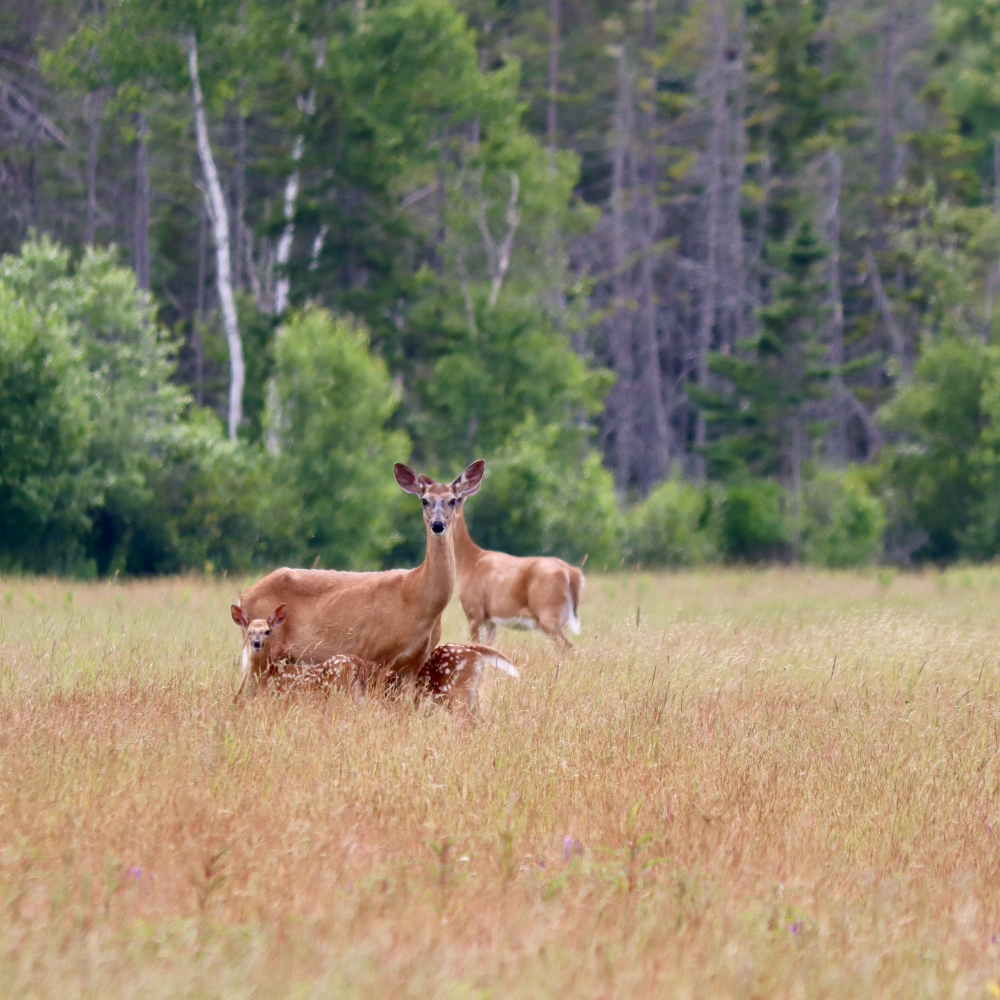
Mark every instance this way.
x=700 y=280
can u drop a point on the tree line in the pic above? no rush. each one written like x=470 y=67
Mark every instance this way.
x=701 y=280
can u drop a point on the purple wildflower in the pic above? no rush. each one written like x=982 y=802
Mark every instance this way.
x=993 y=940
x=567 y=844
x=135 y=872
x=796 y=928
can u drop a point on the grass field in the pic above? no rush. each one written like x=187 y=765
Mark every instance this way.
x=741 y=785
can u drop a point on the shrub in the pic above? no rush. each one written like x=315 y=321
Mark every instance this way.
x=752 y=524
x=546 y=494
x=46 y=486
x=671 y=527
x=841 y=521
x=160 y=487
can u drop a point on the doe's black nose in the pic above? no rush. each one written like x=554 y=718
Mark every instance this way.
x=437 y=527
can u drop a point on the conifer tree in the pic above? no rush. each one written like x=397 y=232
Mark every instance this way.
x=763 y=422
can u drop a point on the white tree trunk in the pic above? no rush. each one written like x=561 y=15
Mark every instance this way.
x=219 y=216
x=283 y=285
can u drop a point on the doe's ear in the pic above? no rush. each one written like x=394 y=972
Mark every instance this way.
x=239 y=615
x=470 y=480
x=407 y=478
x=277 y=615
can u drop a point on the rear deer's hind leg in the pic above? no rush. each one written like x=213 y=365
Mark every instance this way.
x=554 y=630
x=479 y=625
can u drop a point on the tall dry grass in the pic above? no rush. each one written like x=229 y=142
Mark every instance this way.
x=746 y=785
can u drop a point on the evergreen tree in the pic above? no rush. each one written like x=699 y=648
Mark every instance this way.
x=762 y=423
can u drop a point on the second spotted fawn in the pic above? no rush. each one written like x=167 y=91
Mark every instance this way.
x=342 y=672
x=451 y=674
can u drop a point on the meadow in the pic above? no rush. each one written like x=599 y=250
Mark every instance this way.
x=741 y=784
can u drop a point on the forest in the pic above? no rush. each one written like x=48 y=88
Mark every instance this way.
x=703 y=281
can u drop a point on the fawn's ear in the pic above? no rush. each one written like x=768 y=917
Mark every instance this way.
x=277 y=615
x=407 y=478
x=239 y=616
x=470 y=480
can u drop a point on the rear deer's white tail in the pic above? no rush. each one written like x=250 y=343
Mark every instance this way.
x=571 y=617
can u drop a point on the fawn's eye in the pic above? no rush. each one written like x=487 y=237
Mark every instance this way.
x=451 y=503
x=268 y=632
x=425 y=502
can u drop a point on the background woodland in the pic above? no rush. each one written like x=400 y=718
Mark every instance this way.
x=700 y=280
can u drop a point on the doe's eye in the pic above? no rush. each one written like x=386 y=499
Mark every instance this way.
x=268 y=632
x=425 y=502
x=451 y=503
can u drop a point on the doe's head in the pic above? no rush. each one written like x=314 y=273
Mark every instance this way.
x=441 y=501
x=257 y=632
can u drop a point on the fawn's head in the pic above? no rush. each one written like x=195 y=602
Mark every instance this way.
x=442 y=501
x=257 y=633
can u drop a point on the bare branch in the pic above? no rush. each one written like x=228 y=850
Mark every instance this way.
x=885 y=307
x=499 y=258
x=414 y=196
x=852 y=404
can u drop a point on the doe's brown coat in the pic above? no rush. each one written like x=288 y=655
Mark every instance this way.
x=391 y=619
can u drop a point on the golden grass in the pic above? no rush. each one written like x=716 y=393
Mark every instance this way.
x=700 y=802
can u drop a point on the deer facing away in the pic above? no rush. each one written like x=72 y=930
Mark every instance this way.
x=341 y=672
x=392 y=619
x=522 y=592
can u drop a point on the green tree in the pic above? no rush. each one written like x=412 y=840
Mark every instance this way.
x=333 y=478
x=761 y=423
x=842 y=520
x=940 y=476
x=150 y=462
x=545 y=494
x=47 y=487
x=671 y=527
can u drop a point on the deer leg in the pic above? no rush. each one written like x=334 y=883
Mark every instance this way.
x=554 y=630
x=475 y=624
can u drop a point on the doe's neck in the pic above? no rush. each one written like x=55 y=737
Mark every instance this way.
x=436 y=575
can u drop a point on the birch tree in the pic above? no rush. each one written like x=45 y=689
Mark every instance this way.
x=219 y=217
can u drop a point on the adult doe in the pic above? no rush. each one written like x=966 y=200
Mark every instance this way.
x=391 y=619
